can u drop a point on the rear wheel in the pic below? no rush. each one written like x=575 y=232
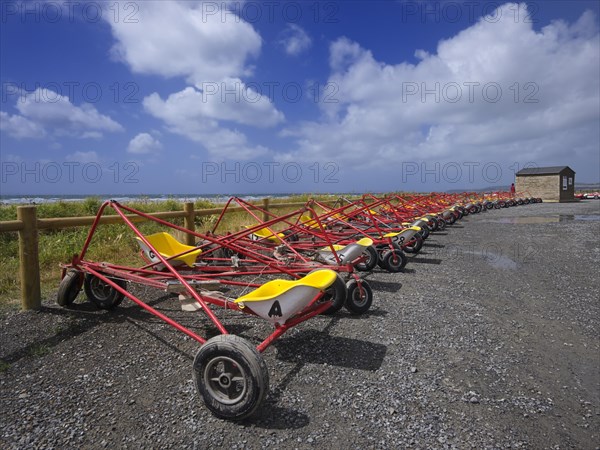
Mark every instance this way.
x=102 y=294
x=393 y=260
x=231 y=376
x=69 y=288
x=359 y=298
x=371 y=260
x=337 y=294
x=415 y=244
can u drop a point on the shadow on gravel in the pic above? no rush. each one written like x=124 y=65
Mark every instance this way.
x=385 y=286
x=83 y=317
x=274 y=417
x=312 y=346
x=432 y=245
x=425 y=260
x=315 y=347
x=373 y=312
x=158 y=338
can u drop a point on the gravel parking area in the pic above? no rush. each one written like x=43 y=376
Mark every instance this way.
x=490 y=339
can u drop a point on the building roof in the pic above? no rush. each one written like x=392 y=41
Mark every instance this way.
x=554 y=170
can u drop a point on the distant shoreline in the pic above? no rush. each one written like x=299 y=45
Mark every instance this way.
x=150 y=198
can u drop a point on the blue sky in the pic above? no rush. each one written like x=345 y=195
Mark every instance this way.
x=276 y=97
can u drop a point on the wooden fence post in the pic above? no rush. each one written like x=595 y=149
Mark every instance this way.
x=266 y=208
x=29 y=260
x=188 y=222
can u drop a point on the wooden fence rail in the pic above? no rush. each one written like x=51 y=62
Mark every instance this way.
x=28 y=226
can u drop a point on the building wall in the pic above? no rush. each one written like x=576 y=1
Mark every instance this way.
x=544 y=186
x=548 y=187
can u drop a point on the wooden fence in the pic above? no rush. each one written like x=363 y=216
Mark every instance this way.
x=28 y=227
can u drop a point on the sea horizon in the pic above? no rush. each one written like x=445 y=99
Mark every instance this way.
x=11 y=199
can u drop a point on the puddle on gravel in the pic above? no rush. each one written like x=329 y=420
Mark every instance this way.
x=494 y=259
x=549 y=219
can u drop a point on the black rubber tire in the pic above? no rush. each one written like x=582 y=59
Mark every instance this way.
x=393 y=260
x=101 y=294
x=370 y=263
x=441 y=224
x=451 y=219
x=231 y=376
x=338 y=292
x=414 y=245
x=69 y=287
x=425 y=231
x=358 y=302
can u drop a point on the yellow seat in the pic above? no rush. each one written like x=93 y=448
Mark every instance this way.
x=336 y=247
x=364 y=242
x=278 y=300
x=405 y=235
x=308 y=221
x=320 y=279
x=168 y=246
x=345 y=255
x=264 y=233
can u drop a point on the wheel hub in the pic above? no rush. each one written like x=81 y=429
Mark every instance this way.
x=225 y=380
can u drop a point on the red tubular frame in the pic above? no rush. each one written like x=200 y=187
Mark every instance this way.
x=140 y=275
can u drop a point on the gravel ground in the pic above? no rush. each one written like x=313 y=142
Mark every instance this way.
x=490 y=339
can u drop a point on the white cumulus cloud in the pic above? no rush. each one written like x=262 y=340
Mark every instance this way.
x=44 y=112
x=144 y=143
x=201 y=41
x=20 y=127
x=294 y=39
x=208 y=46
x=496 y=88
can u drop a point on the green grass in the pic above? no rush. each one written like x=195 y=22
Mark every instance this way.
x=113 y=243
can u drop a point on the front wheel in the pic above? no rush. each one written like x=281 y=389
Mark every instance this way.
x=359 y=298
x=102 y=294
x=231 y=376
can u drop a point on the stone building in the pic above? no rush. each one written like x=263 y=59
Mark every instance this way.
x=550 y=183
